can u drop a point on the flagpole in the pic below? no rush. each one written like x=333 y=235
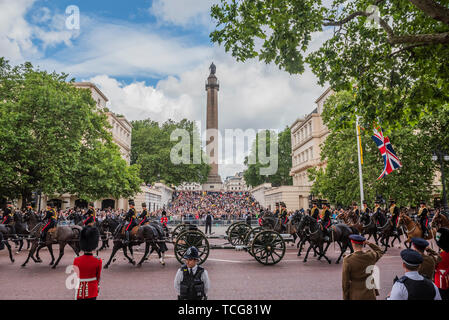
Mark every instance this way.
x=360 y=159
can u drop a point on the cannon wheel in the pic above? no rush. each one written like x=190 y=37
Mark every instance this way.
x=237 y=234
x=178 y=229
x=250 y=237
x=189 y=238
x=233 y=225
x=268 y=247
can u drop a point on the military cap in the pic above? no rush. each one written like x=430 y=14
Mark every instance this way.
x=144 y=205
x=89 y=238
x=392 y=201
x=422 y=202
x=91 y=204
x=314 y=202
x=191 y=253
x=131 y=202
x=378 y=201
x=356 y=238
x=354 y=203
x=442 y=239
x=411 y=257
x=50 y=204
x=365 y=202
x=277 y=204
x=283 y=204
x=420 y=243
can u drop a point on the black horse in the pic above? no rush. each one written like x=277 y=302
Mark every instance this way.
x=369 y=227
x=339 y=233
x=6 y=234
x=150 y=234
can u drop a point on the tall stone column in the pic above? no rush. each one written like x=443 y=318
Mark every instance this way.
x=214 y=182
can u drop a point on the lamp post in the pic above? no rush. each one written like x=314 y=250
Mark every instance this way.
x=442 y=156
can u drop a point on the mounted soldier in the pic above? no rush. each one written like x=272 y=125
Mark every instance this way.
x=90 y=216
x=283 y=215
x=315 y=211
x=8 y=217
x=144 y=215
x=355 y=209
x=423 y=218
x=51 y=217
x=378 y=215
x=325 y=220
x=366 y=210
x=394 y=212
x=131 y=218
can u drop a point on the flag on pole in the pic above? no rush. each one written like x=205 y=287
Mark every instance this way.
x=391 y=160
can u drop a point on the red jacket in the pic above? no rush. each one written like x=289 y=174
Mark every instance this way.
x=89 y=274
x=442 y=272
x=164 y=221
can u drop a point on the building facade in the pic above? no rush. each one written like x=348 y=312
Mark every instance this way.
x=235 y=183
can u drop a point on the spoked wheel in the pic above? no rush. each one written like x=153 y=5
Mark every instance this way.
x=233 y=225
x=268 y=247
x=189 y=238
x=180 y=228
x=238 y=233
x=250 y=238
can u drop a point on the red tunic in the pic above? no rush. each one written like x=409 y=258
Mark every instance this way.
x=164 y=221
x=89 y=274
x=442 y=271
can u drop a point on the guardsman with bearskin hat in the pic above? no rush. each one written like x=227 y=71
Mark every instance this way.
x=88 y=267
x=90 y=216
x=144 y=215
x=423 y=218
x=131 y=217
x=164 y=219
x=51 y=216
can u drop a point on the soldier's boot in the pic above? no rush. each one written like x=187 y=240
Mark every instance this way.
x=126 y=238
x=42 y=239
x=326 y=235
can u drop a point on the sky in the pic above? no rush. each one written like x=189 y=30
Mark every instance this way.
x=151 y=59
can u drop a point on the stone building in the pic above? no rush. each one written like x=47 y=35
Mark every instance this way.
x=235 y=183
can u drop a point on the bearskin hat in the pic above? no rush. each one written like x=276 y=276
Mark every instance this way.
x=89 y=238
x=442 y=238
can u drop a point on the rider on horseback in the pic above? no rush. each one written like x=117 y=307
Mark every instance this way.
x=144 y=214
x=325 y=216
x=423 y=219
x=8 y=217
x=366 y=209
x=51 y=217
x=90 y=215
x=283 y=216
x=394 y=211
x=131 y=217
x=315 y=211
x=355 y=209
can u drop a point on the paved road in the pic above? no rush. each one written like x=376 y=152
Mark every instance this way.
x=234 y=275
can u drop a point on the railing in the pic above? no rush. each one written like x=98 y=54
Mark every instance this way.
x=215 y=223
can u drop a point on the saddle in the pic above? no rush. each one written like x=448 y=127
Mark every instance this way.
x=133 y=231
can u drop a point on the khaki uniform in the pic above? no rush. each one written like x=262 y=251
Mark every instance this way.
x=354 y=273
x=430 y=261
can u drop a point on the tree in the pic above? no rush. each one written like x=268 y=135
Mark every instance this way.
x=151 y=148
x=400 y=67
x=339 y=181
x=55 y=140
x=282 y=143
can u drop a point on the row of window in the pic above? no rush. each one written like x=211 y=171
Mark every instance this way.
x=304 y=156
x=302 y=134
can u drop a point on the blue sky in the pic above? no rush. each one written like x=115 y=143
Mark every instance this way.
x=151 y=59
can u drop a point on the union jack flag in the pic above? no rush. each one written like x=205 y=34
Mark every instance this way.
x=391 y=160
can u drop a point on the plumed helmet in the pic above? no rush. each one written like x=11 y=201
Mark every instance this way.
x=442 y=238
x=89 y=238
x=192 y=253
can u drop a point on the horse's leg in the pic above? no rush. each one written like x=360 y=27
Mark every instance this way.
x=147 y=249
x=323 y=252
x=161 y=254
x=61 y=253
x=343 y=250
x=74 y=248
x=125 y=252
x=114 y=251
x=50 y=249
x=20 y=245
x=9 y=251
x=307 y=254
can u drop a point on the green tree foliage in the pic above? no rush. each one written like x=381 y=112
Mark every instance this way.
x=53 y=139
x=401 y=67
x=339 y=182
x=282 y=143
x=151 y=148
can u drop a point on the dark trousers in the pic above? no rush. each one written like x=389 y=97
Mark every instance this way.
x=444 y=294
x=208 y=226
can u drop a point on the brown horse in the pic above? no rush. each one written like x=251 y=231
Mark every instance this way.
x=351 y=220
x=62 y=235
x=439 y=221
x=413 y=229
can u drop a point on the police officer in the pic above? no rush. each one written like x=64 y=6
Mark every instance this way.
x=315 y=211
x=394 y=211
x=144 y=215
x=192 y=281
x=88 y=266
x=413 y=286
x=354 y=273
x=51 y=217
x=90 y=216
x=427 y=267
x=325 y=216
x=423 y=219
x=131 y=217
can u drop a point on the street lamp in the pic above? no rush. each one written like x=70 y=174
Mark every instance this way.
x=442 y=156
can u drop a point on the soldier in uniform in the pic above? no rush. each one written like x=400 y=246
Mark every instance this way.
x=325 y=216
x=191 y=281
x=90 y=216
x=377 y=213
x=88 y=267
x=427 y=267
x=354 y=273
x=144 y=215
x=277 y=211
x=423 y=219
x=413 y=286
x=394 y=211
x=355 y=209
x=315 y=211
x=131 y=217
x=8 y=217
x=51 y=216
x=283 y=215
x=365 y=210
x=442 y=269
